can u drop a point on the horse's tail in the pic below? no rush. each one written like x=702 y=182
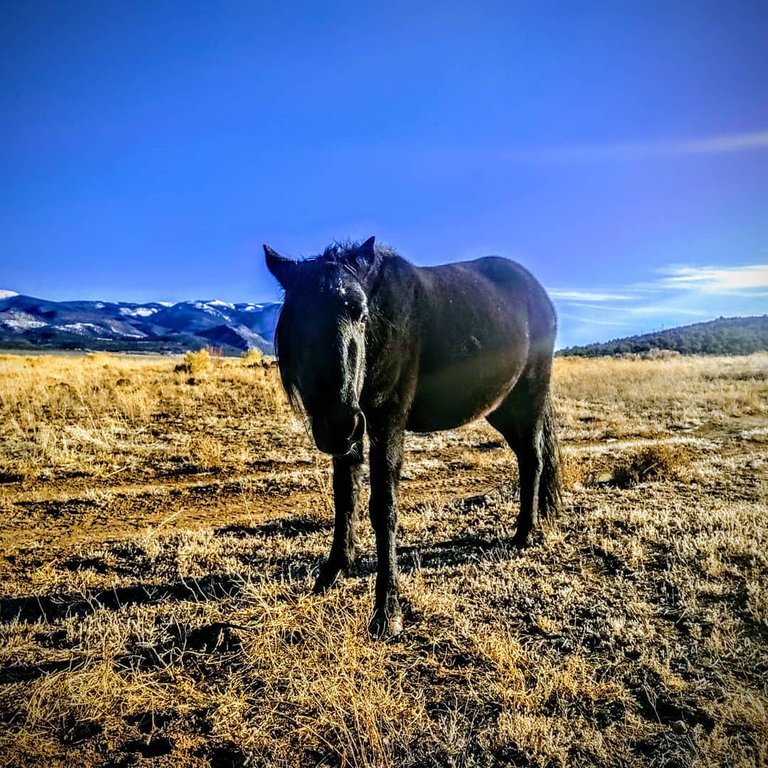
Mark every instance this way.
x=549 y=485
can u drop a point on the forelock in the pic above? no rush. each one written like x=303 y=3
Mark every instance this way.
x=333 y=269
x=339 y=250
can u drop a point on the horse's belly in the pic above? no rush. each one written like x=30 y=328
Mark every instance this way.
x=452 y=397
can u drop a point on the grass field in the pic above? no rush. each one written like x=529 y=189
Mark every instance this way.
x=161 y=526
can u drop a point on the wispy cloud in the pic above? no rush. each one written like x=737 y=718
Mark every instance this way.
x=587 y=320
x=750 y=277
x=587 y=296
x=666 y=310
x=637 y=150
x=677 y=295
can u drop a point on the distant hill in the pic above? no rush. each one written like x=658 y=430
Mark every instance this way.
x=724 y=336
x=30 y=323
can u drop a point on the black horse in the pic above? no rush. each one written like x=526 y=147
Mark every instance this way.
x=368 y=342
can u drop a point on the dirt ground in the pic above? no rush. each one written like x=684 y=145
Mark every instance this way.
x=162 y=521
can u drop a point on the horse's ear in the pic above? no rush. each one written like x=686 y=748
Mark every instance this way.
x=367 y=248
x=281 y=267
x=366 y=260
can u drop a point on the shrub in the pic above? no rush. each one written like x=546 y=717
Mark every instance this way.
x=195 y=362
x=659 y=461
x=207 y=452
x=252 y=357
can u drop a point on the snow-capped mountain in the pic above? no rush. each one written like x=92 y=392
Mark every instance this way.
x=27 y=322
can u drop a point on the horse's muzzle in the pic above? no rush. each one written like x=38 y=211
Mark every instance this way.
x=339 y=433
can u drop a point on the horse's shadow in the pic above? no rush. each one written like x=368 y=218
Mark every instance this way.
x=457 y=551
x=55 y=607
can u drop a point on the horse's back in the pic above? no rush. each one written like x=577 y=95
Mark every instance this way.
x=497 y=294
x=514 y=279
x=508 y=277
x=479 y=323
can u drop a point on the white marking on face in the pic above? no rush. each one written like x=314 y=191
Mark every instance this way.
x=353 y=359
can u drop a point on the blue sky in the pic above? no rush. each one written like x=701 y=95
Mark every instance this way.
x=617 y=149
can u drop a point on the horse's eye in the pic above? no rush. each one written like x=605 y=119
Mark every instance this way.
x=356 y=313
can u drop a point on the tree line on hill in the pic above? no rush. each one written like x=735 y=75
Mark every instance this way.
x=724 y=336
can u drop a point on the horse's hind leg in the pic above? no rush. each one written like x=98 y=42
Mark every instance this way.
x=347 y=471
x=519 y=419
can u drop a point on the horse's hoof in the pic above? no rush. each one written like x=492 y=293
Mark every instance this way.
x=325 y=580
x=522 y=541
x=382 y=627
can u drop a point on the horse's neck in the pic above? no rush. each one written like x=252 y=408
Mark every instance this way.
x=396 y=300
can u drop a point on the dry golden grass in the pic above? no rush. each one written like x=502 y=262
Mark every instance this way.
x=161 y=529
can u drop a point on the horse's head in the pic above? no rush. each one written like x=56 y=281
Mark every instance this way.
x=320 y=339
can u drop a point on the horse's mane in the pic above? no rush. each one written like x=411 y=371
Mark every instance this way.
x=340 y=250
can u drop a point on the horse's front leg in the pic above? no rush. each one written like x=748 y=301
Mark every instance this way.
x=386 y=462
x=347 y=473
